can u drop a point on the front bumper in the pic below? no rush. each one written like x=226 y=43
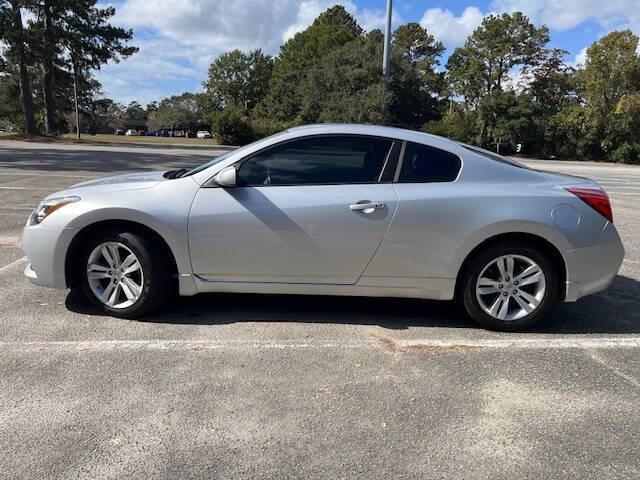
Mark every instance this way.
x=592 y=269
x=46 y=249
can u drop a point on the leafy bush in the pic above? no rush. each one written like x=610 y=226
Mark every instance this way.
x=263 y=127
x=232 y=127
x=627 y=153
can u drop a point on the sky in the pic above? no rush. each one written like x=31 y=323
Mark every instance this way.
x=178 y=39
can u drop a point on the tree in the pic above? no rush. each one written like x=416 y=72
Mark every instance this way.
x=415 y=44
x=82 y=30
x=99 y=113
x=612 y=70
x=339 y=18
x=551 y=82
x=299 y=55
x=16 y=37
x=10 y=104
x=238 y=78
x=178 y=112
x=135 y=111
x=499 y=45
x=346 y=85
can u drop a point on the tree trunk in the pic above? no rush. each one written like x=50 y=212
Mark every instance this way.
x=75 y=97
x=25 y=82
x=47 y=73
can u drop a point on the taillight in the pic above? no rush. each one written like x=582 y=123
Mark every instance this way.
x=596 y=198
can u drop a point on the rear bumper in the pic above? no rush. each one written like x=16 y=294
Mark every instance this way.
x=46 y=249
x=592 y=269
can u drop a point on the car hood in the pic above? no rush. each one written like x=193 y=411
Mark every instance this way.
x=129 y=181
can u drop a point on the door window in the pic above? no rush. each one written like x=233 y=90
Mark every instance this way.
x=424 y=164
x=321 y=160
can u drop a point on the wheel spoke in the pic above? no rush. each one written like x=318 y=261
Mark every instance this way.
x=495 y=308
x=488 y=290
x=127 y=291
x=133 y=287
x=115 y=253
x=96 y=267
x=530 y=275
x=132 y=268
x=106 y=253
x=114 y=295
x=502 y=268
x=531 y=279
x=502 y=314
x=509 y=266
x=107 y=292
x=523 y=304
x=129 y=260
x=487 y=282
x=93 y=275
x=533 y=301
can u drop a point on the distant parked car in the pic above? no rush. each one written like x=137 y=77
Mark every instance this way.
x=203 y=134
x=131 y=133
x=118 y=131
x=151 y=133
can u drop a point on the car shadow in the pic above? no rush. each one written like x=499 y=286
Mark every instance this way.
x=615 y=311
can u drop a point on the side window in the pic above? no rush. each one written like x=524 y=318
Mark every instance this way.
x=317 y=160
x=424 y=164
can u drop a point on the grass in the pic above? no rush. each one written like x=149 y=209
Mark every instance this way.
x=108 y=138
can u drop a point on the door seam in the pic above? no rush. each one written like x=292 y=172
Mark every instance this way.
x=393 y=216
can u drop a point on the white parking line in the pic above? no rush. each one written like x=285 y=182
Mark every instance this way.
x=12 y=264
x=567 y=342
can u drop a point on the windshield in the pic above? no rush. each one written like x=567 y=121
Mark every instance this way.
x=209 y=163
x=227 y=155
x=494 y=156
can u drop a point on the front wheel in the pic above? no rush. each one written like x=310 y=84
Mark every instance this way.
x=120 y=277
x=509 y=287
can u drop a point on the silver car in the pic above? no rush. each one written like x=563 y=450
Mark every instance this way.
x=334 y=210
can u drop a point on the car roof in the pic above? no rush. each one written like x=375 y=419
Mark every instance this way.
x=375 y=130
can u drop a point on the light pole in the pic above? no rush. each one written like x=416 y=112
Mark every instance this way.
x=386 y=71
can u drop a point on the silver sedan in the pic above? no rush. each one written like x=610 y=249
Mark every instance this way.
x=334 y=210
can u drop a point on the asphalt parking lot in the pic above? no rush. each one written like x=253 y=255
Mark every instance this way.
x=222 y=386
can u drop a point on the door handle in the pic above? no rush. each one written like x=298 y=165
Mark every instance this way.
x=366 y=206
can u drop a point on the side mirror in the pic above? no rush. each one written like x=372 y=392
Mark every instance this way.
x=226 y=177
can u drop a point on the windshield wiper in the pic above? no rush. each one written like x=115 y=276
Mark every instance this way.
x=175 y=173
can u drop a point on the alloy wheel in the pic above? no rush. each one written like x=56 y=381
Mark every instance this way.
x=115 y=275
x=510 y=287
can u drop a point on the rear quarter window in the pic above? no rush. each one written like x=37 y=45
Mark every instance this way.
x=425 y=164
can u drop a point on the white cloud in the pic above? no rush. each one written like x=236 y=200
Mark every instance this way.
x=567 y=14
x=448 y=28
x=178 y=39
x=580 y=59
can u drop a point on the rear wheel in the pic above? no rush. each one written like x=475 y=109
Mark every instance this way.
x=510 y=286
x=119 y=276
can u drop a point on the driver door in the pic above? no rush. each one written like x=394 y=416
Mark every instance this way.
x=310 y=210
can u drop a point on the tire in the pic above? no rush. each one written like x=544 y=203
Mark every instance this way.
x=137 y=291
x=536 y=294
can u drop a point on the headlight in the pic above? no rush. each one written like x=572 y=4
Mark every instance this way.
x=49 y=206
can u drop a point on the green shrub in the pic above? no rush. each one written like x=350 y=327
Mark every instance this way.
x=232 y=127
x=627 y=153
x=263 y=127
